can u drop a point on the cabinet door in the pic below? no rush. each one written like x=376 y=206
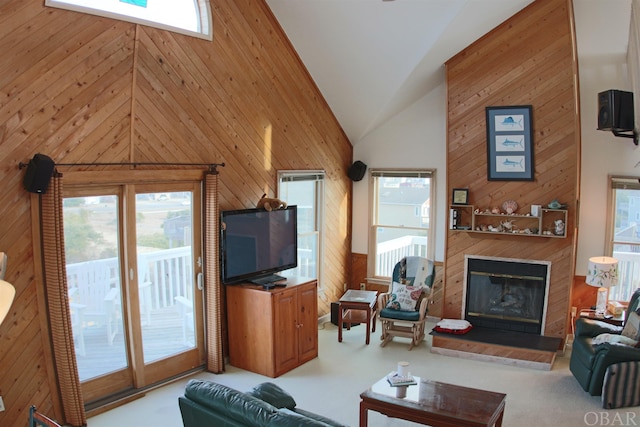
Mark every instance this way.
x=308 y=322
x=286 y=331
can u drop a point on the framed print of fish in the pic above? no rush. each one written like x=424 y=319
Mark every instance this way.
x=510 y=143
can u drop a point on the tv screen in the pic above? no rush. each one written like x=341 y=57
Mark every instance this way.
x=257 y=243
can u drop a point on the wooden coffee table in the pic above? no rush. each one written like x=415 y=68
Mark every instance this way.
x=357 y=307
x=434 y=403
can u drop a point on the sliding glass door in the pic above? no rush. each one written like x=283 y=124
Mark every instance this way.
x=133 y=256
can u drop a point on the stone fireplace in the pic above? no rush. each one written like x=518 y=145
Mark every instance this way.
x=506 y=294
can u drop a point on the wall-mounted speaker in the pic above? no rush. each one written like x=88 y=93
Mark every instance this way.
x=356 y=170
x=38 y=175
x=615 y=110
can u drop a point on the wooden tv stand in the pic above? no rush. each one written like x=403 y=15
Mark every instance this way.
x=272 y=331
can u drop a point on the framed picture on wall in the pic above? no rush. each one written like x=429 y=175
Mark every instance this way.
x=460 y=196
x=510 y=143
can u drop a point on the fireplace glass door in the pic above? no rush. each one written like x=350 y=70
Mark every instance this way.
x=506 y=295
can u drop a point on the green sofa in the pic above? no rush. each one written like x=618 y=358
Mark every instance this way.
x=206 y=403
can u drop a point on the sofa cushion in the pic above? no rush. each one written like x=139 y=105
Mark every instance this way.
x=631 y=328
x=317 y=417
x=240 y=406
x=391 y=313
x=288 y=418
x=274 y=395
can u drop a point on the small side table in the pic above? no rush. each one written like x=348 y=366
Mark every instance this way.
x=357 y=307
x=614 y=320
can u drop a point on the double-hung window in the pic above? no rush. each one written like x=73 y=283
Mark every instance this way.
x=306 y=190
x=401 y=217
x=623 y=236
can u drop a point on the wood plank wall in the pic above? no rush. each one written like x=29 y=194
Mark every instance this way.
x=528 y=60
x=81 y=88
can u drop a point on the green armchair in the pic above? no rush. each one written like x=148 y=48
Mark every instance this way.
x=588 y=362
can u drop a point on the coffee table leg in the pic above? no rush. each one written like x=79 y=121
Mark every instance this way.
x=339 y=322
x=499 y=420
x=364 y=413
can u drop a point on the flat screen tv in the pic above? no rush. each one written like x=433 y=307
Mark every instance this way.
x=256 y=244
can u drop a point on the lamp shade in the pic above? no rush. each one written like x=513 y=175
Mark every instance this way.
x=7 y=293
x=602 y=272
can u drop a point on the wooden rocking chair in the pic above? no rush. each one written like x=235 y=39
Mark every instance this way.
x=403 y=310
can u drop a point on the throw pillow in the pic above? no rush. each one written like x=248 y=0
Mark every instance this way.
x=614 y=339
x=274 y=395
x=404 y=297
x=632 y=327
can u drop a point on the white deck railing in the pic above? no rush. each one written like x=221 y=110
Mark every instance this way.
x=163 y=275
x=168 y=273
x=628 y=276
x=391 y=251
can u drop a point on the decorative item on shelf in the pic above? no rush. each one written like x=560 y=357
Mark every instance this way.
x=460 y=196
x=495 y=210
x=602 y=272
x=510 y=206
x=507 y=225
x=535 y=210
x=555 y=204
x=559 y=227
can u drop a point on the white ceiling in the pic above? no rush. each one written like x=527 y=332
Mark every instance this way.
x=372 y=59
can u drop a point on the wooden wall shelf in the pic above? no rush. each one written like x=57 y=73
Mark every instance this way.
x=467 y=218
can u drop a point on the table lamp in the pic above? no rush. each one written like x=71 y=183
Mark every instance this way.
x=602 y=273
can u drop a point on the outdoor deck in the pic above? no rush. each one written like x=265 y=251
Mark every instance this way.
x=163 y=335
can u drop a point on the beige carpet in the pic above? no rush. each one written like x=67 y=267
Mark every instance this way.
x=331 y=384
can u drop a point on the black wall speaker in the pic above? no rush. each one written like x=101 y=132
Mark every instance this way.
x=615 y=110
x=357 y=170
x=38 y=175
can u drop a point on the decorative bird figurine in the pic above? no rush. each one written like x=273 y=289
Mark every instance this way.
x=555 y=204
